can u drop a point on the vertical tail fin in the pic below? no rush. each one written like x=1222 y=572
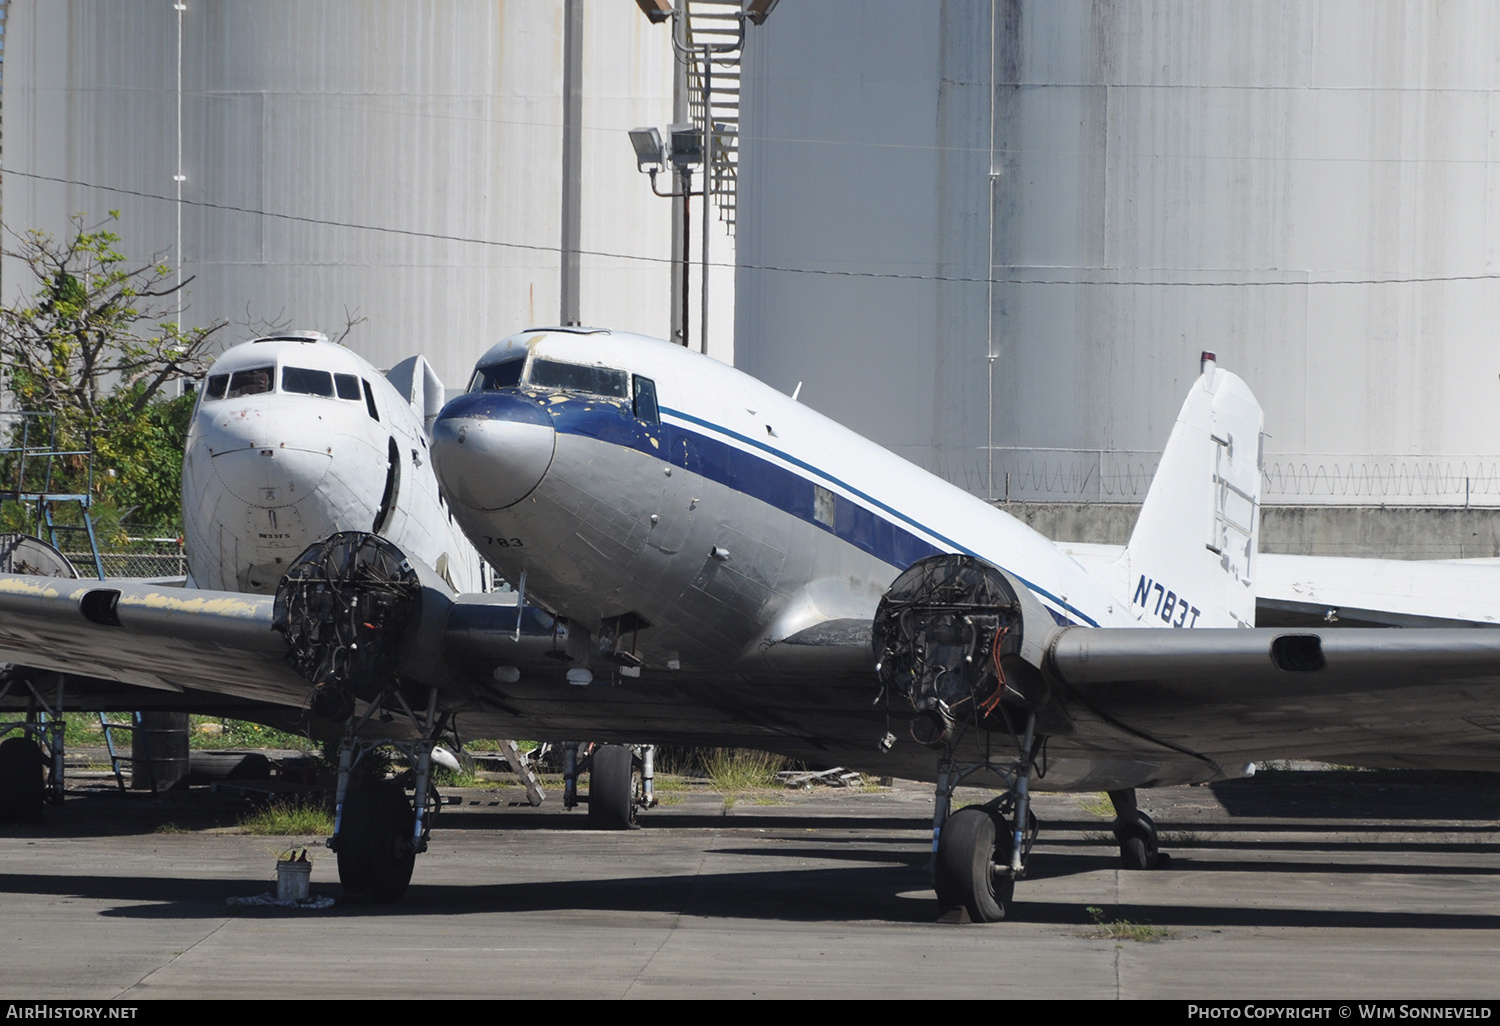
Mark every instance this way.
x=419 y=385
x=1191 y=558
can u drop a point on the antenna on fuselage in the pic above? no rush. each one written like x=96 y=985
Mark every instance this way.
x=796 y=391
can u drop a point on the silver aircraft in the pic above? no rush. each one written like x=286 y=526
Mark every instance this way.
x=706 y=561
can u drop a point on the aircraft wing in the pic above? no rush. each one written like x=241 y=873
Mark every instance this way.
x=149 y=635
x=1418 y=697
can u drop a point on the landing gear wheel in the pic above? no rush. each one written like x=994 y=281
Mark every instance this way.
x=971 y=865
x=1133 y=851
x=612 y=789
x=22 y=792
x=375 y=849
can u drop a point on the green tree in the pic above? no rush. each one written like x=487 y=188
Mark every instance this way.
x=96 y=346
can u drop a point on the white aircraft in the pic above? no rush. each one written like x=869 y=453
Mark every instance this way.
x=295 y=439
x=708 y=562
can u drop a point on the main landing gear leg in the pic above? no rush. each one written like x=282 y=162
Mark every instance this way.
x=981 y=851
x=377 y=831
x=1136 y=833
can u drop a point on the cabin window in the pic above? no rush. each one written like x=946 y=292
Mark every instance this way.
x=347 y=386
x=498 y=375
x=306 y=381
x=216 y=385
x=597 y=380
x=370 y=402
x=251 y=382
x=645 y=400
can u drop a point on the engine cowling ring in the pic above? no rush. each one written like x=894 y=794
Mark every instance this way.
x=961 y=640
x=345 y=606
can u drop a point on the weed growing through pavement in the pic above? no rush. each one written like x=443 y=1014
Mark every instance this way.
x=1124 y=929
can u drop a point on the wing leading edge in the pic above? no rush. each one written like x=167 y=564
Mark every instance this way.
x=148 y=635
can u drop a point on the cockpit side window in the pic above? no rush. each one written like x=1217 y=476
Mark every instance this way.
x=347 y=385
x=307 y=381
x=251 y=382
x=598 y=380
x=498 y=375
x=370 y=402
x=645 y=400
x=216 y=385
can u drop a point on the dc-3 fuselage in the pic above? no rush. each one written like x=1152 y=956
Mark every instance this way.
x=701 y=525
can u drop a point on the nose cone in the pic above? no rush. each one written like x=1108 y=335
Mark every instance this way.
x=491 y=449
x=267 y=457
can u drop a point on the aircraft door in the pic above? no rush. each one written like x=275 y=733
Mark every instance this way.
x=674 y=512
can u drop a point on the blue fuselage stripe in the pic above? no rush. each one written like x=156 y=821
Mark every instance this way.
x=749 y=473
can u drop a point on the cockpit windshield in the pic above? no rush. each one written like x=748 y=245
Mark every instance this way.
x=306 y=381
x=498 y=375
x=598 y=380
x=251 y=382
x=296 y=380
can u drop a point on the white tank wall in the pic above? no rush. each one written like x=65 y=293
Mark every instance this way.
x=1241 y=162
x=431 y=117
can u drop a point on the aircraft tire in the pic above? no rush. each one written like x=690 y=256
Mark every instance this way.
x=612 y=789
x=1135 y=854
x=969 y=849
x=22 y=792
x=375 y=852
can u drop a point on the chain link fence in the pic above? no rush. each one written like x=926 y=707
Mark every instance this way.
x=144 y=555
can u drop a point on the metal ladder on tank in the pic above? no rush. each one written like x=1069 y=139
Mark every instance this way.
x=717 y=22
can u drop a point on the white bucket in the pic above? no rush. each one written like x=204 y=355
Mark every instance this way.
x=292 y=879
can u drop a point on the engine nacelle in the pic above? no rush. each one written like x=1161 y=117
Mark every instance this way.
x=963 y=641
x=351 y=608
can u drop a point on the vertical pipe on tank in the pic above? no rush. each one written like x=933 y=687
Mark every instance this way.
x=177 y=175
x=572 y=170
x=680 y=226
x=989 y=289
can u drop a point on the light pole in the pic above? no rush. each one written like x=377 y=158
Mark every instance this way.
x=684 y=154
x=658 y=11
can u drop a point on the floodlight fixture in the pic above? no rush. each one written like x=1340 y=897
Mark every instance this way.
x=756 y=10
x=648 y=149
x=687 y=146
x=659 y=11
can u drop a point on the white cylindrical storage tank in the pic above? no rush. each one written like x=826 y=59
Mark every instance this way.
x=1304 y=187
x=396 y=160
